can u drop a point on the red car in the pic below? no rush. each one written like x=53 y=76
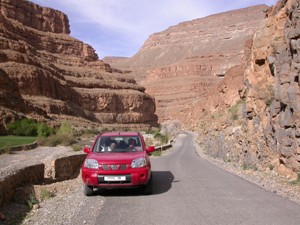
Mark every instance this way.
x=117 y=160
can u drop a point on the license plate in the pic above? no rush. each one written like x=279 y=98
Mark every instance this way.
x=115 y=178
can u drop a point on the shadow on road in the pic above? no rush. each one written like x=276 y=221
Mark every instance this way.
x=162 y=182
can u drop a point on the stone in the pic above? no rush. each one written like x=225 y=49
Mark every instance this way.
x=288 y=173
x=293 y=163
x=36 y=206
x=282 y=95
x=271 y=59
x=275 y=108
x=286 y=119
x=294 y=96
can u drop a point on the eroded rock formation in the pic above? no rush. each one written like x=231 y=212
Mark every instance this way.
x=47 y=74
x=261 y=128
x=182 y=63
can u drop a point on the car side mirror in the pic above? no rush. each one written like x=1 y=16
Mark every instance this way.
x=87 y=150
x=150 y=149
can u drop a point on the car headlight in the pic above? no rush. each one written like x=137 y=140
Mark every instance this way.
x=139 y=162
x=91 y=164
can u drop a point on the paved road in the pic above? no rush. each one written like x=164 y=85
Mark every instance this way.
x=190 y=190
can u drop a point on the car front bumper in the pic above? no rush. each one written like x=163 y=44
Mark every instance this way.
x=132 y=177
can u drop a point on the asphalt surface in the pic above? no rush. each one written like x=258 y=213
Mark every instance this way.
x=190 y=190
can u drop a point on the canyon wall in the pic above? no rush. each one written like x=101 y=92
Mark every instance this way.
x=261 y=127
x=182 y=63
x=48 y=75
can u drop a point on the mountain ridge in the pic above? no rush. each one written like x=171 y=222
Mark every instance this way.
x=50 y=76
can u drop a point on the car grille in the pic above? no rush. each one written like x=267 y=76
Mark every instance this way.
x=114 y=167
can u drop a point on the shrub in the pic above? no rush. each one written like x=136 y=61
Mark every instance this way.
x=32 y=200
x=235 y=109
x=68 y=140
x=76 y=147
x=65 y=129
x=64 y=136
x=29 y=127
x=271 y=167
x=24 y=127
x=86 y=133
x=53 y=141
x=156 y=153
x=43 y=130
x=41 y=141
x=163 y=138
x=154 y=130
x=45 y=194
x=249 y=167
x=104 y=129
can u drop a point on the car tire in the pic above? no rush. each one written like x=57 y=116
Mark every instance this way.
x=88 y=190
x=148 y=188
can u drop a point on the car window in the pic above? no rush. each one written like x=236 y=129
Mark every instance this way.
x=118 y=144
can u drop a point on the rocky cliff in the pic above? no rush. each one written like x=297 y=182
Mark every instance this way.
x=182 y=63
x=49 y=75
x=261 y=127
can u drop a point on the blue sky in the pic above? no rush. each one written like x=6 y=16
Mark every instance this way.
x=120 y=27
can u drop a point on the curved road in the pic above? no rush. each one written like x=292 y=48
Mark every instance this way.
x=190 y=190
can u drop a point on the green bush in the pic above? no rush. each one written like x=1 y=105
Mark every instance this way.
x=43 y=130
x=154 y=130
x=65 y=136
x=65 y=129
x=163 y=138
x=156 y=153
x=29 y=127
x=24 y=127
x=32 y=200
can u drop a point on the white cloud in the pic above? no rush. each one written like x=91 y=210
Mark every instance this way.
x=132 y=21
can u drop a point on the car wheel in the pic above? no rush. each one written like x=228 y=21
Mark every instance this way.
x=147 y=189
x=88 y=190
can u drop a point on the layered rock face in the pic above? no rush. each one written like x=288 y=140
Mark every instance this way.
x=263 y=128
x=273 y=94
x=182 y=63
x=46 y=74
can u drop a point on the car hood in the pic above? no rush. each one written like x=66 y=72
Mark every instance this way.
x=116 y=157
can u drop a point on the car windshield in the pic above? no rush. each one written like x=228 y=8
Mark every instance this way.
x=118 y=144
